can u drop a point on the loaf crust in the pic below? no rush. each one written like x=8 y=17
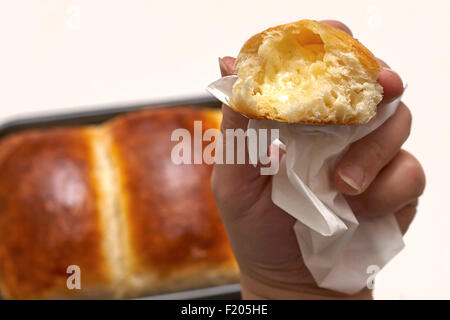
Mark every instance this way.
x=109 y=199
x=48 y=215
x=176 y=238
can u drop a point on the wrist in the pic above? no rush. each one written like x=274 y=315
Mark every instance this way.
x=256 y=290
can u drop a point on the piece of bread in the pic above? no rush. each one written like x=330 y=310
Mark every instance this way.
x=306 y=72
x=109 y=200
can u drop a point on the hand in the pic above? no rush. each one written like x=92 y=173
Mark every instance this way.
x=375 y=174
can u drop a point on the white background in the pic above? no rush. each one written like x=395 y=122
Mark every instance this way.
x=60 y=55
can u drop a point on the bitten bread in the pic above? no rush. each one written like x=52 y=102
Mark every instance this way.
x=109 y=200
x=306 y=72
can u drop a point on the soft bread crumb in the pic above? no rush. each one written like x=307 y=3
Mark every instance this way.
x=306 y=72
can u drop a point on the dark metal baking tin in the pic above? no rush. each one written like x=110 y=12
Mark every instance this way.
x=97 y=116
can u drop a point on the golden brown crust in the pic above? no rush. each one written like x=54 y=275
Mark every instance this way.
x=335 y=36
x=170 y=213
x=48 y=215
x=109 y=200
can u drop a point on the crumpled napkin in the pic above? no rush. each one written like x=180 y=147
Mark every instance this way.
x=341 y=252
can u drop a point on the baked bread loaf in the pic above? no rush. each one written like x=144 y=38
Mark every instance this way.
x=109 y=200
x=306 y=72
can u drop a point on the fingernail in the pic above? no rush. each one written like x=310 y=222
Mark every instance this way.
x=223 y=68
x=353 y=176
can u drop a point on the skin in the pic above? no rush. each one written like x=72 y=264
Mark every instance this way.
x=376 y=176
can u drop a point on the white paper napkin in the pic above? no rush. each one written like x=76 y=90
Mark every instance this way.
x=340 y=251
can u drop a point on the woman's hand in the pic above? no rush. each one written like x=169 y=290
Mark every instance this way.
x=375 y=174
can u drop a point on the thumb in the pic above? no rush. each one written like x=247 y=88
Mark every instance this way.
x=246 y=175
x=226 y=65
x=231 y=119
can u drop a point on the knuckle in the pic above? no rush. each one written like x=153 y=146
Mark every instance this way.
x=359 y=205
x=378 y=154
x=415 y=174
x=408 y=118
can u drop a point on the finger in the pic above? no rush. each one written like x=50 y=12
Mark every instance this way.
x=405 y=216
x=400 y=183
x=338 y=25
x=390 y=81
x=226 y=65
x=392 y=84
x=366 y=157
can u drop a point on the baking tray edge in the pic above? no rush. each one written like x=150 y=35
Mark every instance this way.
x=95 y=115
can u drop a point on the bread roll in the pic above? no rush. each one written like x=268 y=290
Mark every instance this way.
x=109 y=199
x=306 y=72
